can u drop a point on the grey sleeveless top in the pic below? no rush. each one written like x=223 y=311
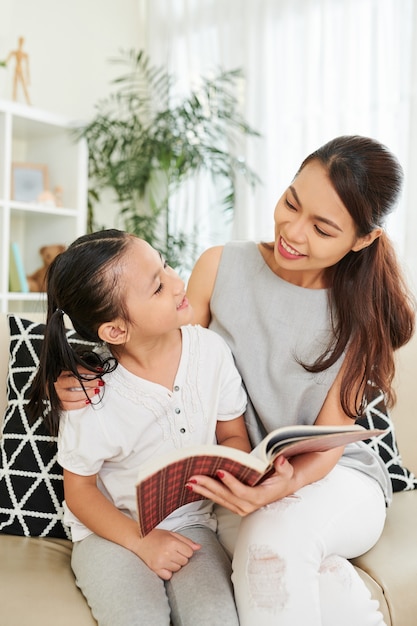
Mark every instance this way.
x=272 y=327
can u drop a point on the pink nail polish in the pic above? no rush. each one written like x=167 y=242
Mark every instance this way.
x=220 y=474
x=189 y=487
x=100 y=383
x=88 y=401
x=96 y=390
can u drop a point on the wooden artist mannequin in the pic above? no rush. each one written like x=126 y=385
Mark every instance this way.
x=21 y=73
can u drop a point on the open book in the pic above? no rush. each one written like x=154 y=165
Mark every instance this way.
x=161 y=482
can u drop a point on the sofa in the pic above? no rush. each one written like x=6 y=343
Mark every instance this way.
x=36 y=581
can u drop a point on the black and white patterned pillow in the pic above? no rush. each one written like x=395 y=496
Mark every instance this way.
x=31 y=480
x=377 y=416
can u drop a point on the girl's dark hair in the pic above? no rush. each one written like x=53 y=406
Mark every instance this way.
x=373 y=310
x=84 y=283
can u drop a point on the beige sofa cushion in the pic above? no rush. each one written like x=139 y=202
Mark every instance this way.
x=392 y=562
x=37 y=584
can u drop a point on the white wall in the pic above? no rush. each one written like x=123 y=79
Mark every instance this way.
x=69 y=43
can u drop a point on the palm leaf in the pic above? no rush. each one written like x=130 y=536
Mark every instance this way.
x=142 y=129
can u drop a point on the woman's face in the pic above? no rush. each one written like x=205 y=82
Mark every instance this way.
x=313 y=229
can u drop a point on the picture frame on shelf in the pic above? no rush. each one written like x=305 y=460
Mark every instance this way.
x=29 y=181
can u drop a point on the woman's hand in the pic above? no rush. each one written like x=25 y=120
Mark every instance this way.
x=70 y=392
x=166 y=552
x=240 y=498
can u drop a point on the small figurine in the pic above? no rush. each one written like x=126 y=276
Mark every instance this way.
x=46 y=198
x=21 y=72
x=58 y=193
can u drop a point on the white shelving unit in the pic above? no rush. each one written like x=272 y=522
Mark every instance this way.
x=32 y=136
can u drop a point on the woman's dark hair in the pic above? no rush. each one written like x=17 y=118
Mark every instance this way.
x=83 y=282
x=374 y=311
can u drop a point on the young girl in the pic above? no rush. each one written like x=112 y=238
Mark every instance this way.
x=167 y=384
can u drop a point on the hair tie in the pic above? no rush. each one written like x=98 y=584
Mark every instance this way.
x=61 y=311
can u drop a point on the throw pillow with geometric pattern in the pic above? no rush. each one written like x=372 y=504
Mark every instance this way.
x=377 y=416
x=31 y=480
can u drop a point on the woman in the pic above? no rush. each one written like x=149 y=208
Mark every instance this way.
x=312 y=320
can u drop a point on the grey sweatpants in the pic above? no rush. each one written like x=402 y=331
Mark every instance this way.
x=122 y=591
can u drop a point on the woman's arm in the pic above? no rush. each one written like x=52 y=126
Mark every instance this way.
x=289 y=476
x=317 y=465
x=201 y=284
x=163 y=552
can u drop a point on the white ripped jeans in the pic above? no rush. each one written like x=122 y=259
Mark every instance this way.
x=290 y=564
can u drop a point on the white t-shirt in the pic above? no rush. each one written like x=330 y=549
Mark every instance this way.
x=138 y=419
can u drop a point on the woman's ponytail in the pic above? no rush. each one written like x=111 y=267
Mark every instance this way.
x=373 y=310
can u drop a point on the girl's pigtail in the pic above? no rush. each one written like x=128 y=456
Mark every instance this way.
x=56 y=356
x=82 y=284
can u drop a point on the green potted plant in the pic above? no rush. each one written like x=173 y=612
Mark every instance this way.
x=143 y=144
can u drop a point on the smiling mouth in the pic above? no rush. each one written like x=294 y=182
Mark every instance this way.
x=183 y=303
x=288 y=248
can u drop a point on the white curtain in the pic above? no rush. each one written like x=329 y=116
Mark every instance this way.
x=314 y=69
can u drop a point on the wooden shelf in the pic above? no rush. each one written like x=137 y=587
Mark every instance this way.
x=32 y=136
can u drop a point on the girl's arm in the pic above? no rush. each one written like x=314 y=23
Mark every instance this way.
x=289 y=476
x=163 y=552
x=233 y=433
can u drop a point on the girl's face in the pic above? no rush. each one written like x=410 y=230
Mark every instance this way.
x=313 y=229
x=155 y=294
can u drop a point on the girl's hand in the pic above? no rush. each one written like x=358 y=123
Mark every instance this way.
x=240 y=498
x=162 y=551
x=70 y=392
x=166 y=552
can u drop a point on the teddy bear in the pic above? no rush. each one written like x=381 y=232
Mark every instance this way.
x=36 y=281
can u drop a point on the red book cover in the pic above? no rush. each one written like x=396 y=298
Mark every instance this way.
x=161 y=482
